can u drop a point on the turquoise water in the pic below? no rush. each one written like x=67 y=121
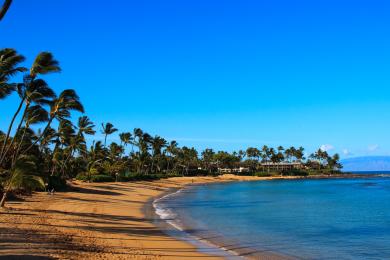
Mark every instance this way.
x=310 y=219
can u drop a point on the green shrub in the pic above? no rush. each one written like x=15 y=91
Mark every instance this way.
x=173 y=174
x=245 y=173
x=262 y=174
x=132 y=176
x=95 y=178
x=82 y=177
x=102 y=178
x=295 y=172
x=56 y=182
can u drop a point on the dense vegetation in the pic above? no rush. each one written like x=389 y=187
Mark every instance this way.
x=42 y=147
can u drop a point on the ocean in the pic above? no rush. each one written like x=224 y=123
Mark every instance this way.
x=304 y=219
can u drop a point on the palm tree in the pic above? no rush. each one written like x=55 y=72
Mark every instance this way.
x=157 y=144
x=32 y=90
x=60 y=109
x=172 y=151
x=85 y=126
x=320 y=156
x=207 y=158
x=47 y=138
x=125 y=138
x=189 y=156
x=265 y=153
x=23 y=175
x=108 y=129
x=254 y=155
x=34 y=115
x=137 y=133
x=299 y=153
x=333 y=162
x=242 y=154
x=288 y=153
x=4 y=8
x=9 y=66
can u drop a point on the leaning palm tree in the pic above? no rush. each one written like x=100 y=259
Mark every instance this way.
x=34 y=115
x=108 y=129
x=125 y=138
x=33 y=89
x=4 y=8
x=31 y=92
x=9 y=66
x=22 y=176
x=60 y=109
x=85 y=126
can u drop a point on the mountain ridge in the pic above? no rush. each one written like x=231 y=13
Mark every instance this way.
x=366 y=163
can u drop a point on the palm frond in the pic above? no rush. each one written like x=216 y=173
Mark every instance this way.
x=44 y=63
x=36 y=114
x=23 y=175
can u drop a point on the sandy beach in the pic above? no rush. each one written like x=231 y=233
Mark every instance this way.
x=96 y=221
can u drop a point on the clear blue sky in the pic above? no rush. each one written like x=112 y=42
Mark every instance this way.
x=220 y=74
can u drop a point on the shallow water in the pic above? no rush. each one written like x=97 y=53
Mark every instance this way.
x=312 y=219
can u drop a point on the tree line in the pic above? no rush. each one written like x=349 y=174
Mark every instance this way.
x=42 y=145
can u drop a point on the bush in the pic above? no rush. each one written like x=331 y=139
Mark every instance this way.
x=295 y=172
x=245 y=173
x=102 y=178
x=262 y=174
x=81 y=177
x=132 y=176
x=95 y=178
x=56 y=182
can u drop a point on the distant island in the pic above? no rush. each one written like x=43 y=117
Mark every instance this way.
x=366 y=163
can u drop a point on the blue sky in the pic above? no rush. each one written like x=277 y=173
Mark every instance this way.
x=220 y=74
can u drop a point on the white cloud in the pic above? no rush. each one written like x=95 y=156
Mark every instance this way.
x=373 y=147
x=347 y=152
x=326 y=147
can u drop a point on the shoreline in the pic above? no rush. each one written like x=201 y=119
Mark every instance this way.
x=210 y=243
x=174 y=229
x=100 y=221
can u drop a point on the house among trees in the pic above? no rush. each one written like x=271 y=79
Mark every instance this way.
x=282 y=166
x=233 y=170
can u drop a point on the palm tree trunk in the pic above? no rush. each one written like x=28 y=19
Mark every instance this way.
x=4 y=9
x=40 y=137
x=17 y=130
x=19 y=146
x=152 y=167
x=2 y=202
x=168 y=161
x=10 y=128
